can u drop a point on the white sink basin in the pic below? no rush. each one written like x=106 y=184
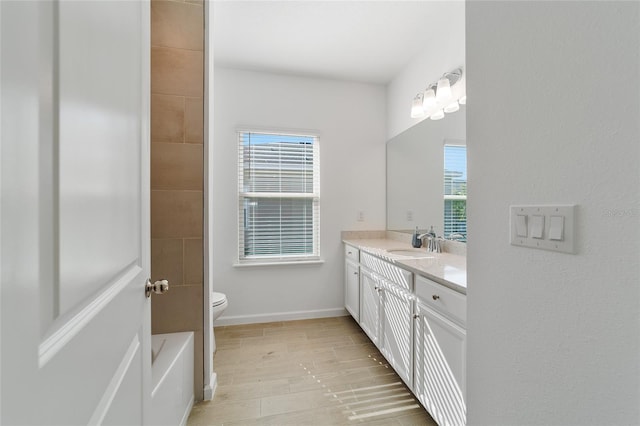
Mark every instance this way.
x=415 y=253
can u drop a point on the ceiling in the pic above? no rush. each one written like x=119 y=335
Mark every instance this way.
x=367 y=41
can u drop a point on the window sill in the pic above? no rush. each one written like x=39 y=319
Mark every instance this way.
x=279 y=263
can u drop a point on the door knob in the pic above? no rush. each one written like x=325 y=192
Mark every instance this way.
x=158 y=287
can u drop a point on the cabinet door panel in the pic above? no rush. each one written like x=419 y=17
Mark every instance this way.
x=369 y=305
x=439 y=376
x=396 y=332
x=352 y=289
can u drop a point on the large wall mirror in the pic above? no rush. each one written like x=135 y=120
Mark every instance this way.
x=421 y=191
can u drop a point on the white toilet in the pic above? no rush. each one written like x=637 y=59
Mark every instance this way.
x=218 y=304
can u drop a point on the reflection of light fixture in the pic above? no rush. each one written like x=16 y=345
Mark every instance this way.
x=429 y=100
x=452 y=107
x=439 y=114
x=438 y=98
x=443 y=92
x=416 y=107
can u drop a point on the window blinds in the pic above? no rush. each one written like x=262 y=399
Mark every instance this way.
x=455 y=190
x=279 y=197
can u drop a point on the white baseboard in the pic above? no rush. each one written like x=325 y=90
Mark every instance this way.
x=210 y=389
x=280 y=316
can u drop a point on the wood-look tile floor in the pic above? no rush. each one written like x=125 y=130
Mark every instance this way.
x=310 y=372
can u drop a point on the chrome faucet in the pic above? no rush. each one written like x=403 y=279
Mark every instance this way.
x=433 y=242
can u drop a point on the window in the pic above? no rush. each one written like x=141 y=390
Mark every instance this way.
x=279 y=197
x=455 y=192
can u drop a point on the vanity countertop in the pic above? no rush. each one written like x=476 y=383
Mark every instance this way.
x=447 y=269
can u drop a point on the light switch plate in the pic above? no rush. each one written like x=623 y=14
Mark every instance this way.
x=566 y=211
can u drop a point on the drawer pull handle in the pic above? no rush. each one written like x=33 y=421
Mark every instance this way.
x=349 y=253
x=416 y=316
x=355 y=273
x=435 y=297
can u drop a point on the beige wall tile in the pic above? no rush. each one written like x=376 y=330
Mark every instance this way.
x=176 y=166
x=180 y=309
x=193 y=266
x=194 y=120
x=177 y=72
x=176 y=214
x=167 y=260
x=179 y=25
x=167 y=118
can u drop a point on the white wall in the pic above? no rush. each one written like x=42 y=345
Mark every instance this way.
x=553 y=117
x=444 y=47
x=351 y=120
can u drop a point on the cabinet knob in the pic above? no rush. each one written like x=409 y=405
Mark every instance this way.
x=416 y=316
x=355 y=273
x=435 y=297
x=349 y=252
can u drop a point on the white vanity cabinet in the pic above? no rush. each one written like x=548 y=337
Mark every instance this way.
x=388 y=319
x=370 y=305
x=396 y=329
x=352 y=281
x=440 y=351
x=419 y=327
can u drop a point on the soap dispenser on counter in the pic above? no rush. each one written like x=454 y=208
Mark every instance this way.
x=416 y=241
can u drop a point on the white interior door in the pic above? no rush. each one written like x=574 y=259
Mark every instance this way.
x=75 y=322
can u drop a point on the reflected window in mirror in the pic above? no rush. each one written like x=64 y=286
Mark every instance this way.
x=455 y=192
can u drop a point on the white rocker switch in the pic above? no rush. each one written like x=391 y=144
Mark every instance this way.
x=556 y=228
x=521 y=225
x=537 y=226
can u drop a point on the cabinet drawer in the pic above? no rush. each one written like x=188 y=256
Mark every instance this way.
x=388 y=270
x=352 y=253
x=442 y=299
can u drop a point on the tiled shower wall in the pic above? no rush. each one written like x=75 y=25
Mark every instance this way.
x=177 y=89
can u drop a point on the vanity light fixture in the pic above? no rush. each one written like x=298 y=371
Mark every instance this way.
x=440 y=97
x=443 y=91
x=429 y=99
x=438 y=115
x=452 y=107
x=416 y=108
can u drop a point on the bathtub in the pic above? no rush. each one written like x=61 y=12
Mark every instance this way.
x=172 y=378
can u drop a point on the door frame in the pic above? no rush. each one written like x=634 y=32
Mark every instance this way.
x=145 y=193
x=210 y=377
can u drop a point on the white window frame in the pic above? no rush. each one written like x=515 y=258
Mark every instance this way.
x=453 y=143
x=279 y=259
